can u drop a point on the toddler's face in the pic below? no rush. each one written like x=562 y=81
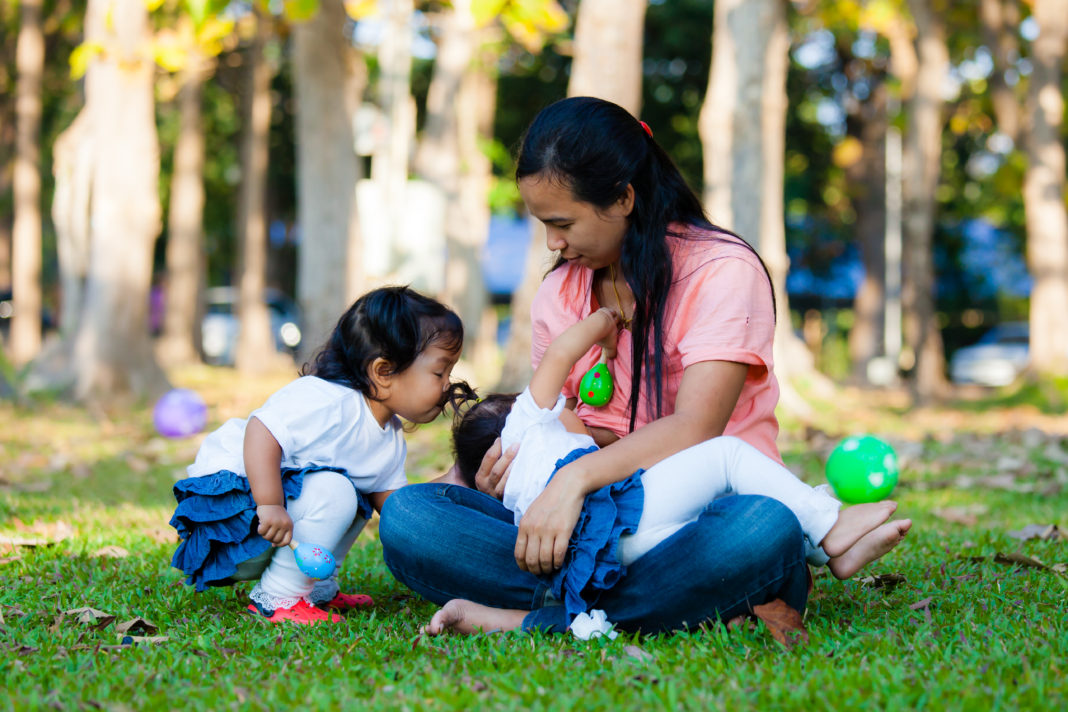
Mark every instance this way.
x=418 y=393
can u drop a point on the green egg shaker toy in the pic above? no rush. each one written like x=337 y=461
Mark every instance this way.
x=596 y=387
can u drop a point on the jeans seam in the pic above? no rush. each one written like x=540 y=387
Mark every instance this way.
x=746 y=598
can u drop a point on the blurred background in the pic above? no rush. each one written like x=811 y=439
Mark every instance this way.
x=187 y=181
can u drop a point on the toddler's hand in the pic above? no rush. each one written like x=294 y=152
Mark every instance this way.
x=610 y=333
x=275 y=524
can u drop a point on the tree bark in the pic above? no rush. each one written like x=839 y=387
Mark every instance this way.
x=743 y=154
x=329 y=84
x=1044 y=192
x=1000 y=23
x=26 y=235
x=608 y=52
x=72 y=166
x=183 y=299
x=921 y=166
x=255 y=351
x=868 y=178
x=517 y=369
x=460 y=104
x=113 y=351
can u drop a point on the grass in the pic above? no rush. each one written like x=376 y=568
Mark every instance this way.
x=962 y=631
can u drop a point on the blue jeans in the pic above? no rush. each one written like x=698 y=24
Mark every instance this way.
x=445 y=541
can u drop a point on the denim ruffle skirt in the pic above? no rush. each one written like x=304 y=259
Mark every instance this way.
x=592 y=563
x=216 y=522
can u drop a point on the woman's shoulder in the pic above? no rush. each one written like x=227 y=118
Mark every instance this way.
x=696 y=250
x=565 y=290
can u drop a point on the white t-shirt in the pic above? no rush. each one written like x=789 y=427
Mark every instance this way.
x=316 y=422
x=543 y=440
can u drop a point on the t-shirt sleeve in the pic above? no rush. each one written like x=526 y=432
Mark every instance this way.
x=726 y=314
x=525 y=414
x=304 y=413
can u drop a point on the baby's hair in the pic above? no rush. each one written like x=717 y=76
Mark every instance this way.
x=474 y=431
x=393 y=323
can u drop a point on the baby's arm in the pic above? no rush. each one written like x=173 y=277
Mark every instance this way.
x=263 y=467
x=600 y=327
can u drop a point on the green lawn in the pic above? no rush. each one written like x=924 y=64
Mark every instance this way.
x=963 y=630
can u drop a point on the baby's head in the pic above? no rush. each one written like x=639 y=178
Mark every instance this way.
x=475 y=429
x=395 y=324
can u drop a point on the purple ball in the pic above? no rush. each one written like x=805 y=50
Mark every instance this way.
x=180 y=413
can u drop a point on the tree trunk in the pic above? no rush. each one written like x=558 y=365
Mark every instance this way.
x=1044 y=192
x=113 y=351
x=608 y=52
x=26 y=244
x=743 y=156
x=921 y=163
x=329 y=84
x=1000 y=23
x=460 y=104
x=517 y=369
x=255 y=350
x=185 y=235
x=72 y=166
x=389 y=167
x=868 y=178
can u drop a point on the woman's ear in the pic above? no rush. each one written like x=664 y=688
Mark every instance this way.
x=380 y=373
x=625 y=204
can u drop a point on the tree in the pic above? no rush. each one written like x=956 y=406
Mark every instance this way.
x=255 y=344
x=329 y=83
x=743 y=156
x=608 y=52
x=1044 y=191
x=26 y=242
x=922 y=80
x=113 y=352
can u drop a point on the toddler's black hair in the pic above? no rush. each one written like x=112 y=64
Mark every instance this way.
x=474 y=431
x=393 y=323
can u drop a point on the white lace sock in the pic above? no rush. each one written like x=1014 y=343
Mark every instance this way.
x=271 y=603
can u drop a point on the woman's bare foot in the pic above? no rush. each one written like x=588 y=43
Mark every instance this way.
x=468 y=617
x=871 y=546
x=853 y=523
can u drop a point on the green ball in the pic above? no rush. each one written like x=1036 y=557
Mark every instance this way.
x=862 y=468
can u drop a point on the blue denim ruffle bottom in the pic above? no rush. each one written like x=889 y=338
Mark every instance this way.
x=216 y=522
x=592 y=563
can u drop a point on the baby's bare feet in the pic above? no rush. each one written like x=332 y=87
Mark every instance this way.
x=853 y=523
x=463 y=616
x=871 y=546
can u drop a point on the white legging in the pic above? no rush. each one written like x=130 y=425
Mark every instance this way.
x=325 y=514
x=680 y=487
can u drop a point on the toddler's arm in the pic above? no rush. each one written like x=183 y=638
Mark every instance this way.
x=600 y=327
x=263 y=467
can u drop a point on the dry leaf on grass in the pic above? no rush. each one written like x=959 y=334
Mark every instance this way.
x=89 y=616
x=883 y=580
x=958 y=515
x=783 y=622
x=137 y=626
x=1044 y=532
x=111 y=552
x=151 y=639
x=1016 y=558
x=638 y=654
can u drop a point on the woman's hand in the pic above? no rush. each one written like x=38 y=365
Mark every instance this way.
x=275 y=524
x=492 y=474
x=547 y=524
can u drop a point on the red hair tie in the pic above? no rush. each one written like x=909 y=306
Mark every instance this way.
x=647 y=129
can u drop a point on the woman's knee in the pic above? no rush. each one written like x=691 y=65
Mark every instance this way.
x=399 y=525
x=764 y=524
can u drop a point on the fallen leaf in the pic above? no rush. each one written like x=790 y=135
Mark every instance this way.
x=91 y=617
x=1019 y=559
x=137 y=626
x=957 y=515
x=150 y=639
x=111 y=552
x=1059 y=568
x=11 y=542
x=638 y=654
x=783 y=622
x=1044 y=532
x=9 y=559
x=921 y=604
x=883 y=580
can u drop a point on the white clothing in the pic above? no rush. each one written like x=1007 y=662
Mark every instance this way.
x=316 y=422
x=543 y=440
x=677 y=489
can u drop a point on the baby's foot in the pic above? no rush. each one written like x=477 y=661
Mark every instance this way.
x=871 y=546
x=468 y=617
x=853 y=523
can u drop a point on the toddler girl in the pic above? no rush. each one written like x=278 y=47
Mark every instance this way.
x=620 y=523
x=316 y=457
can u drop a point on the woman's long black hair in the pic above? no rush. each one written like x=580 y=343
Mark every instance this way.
x=596 y=149
x=393 y=323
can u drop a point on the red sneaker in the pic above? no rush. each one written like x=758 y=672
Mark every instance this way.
x=348 y=601
x=303 y=613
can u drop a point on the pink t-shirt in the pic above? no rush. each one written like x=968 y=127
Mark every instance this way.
x=719 y=308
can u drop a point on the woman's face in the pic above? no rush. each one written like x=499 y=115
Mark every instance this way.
x=580 y=231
